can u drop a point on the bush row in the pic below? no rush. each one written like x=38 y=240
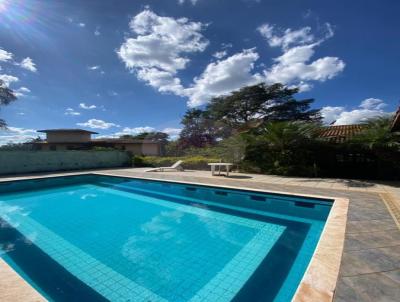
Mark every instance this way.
x=189 y=162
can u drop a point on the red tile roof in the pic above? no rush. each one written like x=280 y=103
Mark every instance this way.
x=340 y=133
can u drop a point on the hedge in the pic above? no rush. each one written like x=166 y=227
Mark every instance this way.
x=189 y=162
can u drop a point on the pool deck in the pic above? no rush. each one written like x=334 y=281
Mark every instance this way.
x=370 y=265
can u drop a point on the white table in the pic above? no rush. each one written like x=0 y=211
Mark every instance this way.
x=219 y=165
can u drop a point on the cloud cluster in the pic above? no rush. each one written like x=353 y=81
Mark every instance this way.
x=97 y=124
x=369 y=108
x=294 y=66
x=27 y=63
x=161 y=45
x=17 y=135
x=159 y=48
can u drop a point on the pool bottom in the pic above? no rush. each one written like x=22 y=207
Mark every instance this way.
x=264 y=284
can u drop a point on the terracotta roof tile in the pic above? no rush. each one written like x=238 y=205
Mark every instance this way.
x=340 y=133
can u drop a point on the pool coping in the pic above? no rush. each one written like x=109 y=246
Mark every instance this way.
x=318 y=283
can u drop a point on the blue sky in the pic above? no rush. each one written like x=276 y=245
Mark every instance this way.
x=121 y=67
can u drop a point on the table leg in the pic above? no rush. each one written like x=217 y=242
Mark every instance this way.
x=227 y=170
x=212 y=170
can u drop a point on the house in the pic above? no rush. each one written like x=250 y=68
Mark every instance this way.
x=340 y=134
x=79 y=139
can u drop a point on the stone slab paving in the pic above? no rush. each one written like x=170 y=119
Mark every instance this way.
x=370 y=267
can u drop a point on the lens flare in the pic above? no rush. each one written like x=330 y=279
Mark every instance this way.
x=29 y=20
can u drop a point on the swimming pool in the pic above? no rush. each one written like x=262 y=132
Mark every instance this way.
x=101 y=238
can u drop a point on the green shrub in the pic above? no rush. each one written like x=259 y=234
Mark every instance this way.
x=189 y=162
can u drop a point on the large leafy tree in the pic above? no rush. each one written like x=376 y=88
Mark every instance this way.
x=198 y=129
x=247 y=108
x=6 y=97
x=261 y=103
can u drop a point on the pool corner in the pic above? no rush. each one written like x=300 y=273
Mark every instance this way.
x=320 y=280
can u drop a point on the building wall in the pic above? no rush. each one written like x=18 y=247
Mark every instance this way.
x=67 y=137
x=17 y=162
x=142 y=149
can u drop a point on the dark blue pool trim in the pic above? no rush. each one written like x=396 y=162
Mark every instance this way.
x=57 y=283
x=254 y=192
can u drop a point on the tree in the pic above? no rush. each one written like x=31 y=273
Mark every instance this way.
x=155 y=135
x=261 y=103
x=377 y=134
x=198 y=129
x=284 y=147
x=6 y=97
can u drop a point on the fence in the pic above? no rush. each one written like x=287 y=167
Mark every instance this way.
x=17 y=162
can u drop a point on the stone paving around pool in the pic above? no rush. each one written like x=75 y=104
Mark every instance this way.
x=370 y=267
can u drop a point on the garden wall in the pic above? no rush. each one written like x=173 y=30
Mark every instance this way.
x=17 y=162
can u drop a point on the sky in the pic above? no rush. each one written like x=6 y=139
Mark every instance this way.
x=124 y=67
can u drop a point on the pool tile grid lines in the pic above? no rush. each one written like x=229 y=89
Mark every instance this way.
x=367 y=218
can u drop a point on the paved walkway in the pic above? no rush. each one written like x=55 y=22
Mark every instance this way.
x=370 y=267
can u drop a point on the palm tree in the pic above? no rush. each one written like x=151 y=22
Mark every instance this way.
x=377 y=134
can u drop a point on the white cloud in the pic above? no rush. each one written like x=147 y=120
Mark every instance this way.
x=97 y=124
x=21 y=92
x=8 y=79
x=294 y=67
x=172 y=132
x=372 y=104
x=5 y=55
x=287 y=37
x=94 y=67
x=97 y=31
x=28 y=64
x=113 y=93
x=81 y=24
x=191 y=1
x=72 y=112
x=134 y=131
x=163 y=81
x=223 y=76
x=220 y=54
x=15 y=135
x=330 y=114
x=87 y=107
x=369 y=108
x=159 y=47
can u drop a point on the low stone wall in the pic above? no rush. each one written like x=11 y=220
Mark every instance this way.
x=17 y=162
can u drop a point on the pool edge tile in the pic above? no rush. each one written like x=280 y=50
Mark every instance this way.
x=320 y=279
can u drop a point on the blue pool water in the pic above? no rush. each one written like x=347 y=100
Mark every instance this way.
x=98 y=238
